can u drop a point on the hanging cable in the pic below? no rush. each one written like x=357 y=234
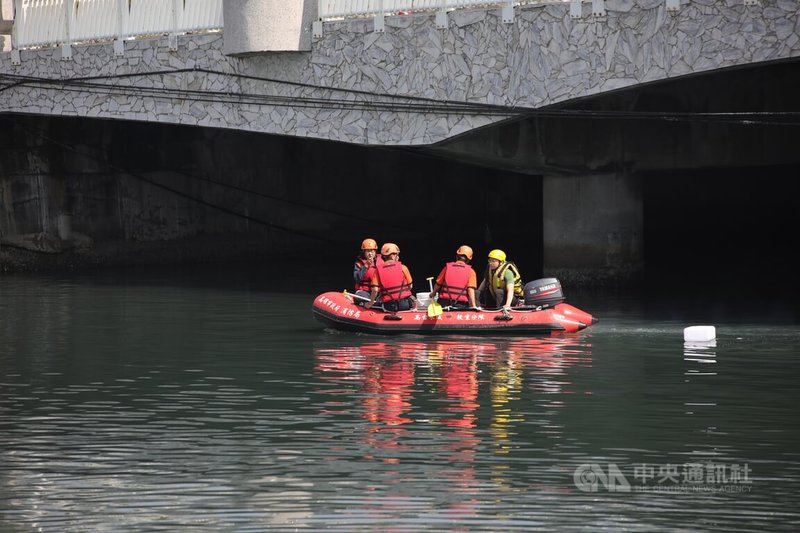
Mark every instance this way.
x=371 y=101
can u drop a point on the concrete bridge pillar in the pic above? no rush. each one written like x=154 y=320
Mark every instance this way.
x=253 y=26
x=592 y=228
x=6 y=22
x=34 y=202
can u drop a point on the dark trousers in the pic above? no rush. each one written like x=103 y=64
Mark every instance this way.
x=494 y=299
x=455 y=304
x=403 y=304
x=363 y=303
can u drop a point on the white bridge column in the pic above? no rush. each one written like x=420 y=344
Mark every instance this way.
x=6 y=23
x=253 y=26
x=592 y=228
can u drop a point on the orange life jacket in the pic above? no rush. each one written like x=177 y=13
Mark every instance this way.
x=392 y=281
x=456 y=280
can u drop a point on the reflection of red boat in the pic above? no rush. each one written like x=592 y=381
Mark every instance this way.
x=338 y=311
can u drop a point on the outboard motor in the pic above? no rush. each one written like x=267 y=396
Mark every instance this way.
x=545 y=292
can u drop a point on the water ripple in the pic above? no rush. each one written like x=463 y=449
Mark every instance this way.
x=217 y=421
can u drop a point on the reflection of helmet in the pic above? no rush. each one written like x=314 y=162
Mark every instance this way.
x=369 y=244
x=390 y=248
x=500 y=255
x=465 y=250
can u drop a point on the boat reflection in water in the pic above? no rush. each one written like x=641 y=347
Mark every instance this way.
x=470 y=403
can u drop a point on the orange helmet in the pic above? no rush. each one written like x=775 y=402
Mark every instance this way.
x=465 y=250
x=369 y=244
x=390 y=248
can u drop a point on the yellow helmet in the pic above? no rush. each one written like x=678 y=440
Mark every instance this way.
x=369 y=244
x=500 y=255
x=390 y=248
x=465 y=250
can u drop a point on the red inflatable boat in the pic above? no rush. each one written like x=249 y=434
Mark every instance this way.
x=545 y=315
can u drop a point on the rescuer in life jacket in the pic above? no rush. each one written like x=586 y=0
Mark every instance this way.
x=364 y=269
x=502 y=286
x=391 y=281
x=456 y=283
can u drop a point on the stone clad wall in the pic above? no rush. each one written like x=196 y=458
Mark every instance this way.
x=544 y=57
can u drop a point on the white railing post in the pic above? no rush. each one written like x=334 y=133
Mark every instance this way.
x=508 y=12
x=316 y=26
x=576 y=8
x=17 y=10
x=119 y=42
x=66 y=47
x=378 y=25
x=441 y=16
x=173 y=31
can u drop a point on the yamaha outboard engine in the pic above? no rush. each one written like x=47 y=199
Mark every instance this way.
x=545 y=292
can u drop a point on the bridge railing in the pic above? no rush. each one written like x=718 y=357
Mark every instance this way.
x=56 y=22
x=332 y=9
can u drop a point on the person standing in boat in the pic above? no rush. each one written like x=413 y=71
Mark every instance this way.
x=456 y=283
x=502 y=285
x=364 y=268
x=392 y=281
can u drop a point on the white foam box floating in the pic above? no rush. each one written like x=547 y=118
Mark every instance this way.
x=423 y=300
x=699 y=333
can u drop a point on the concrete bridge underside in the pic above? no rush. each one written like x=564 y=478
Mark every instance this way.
x=407 y=88
x=411 y=85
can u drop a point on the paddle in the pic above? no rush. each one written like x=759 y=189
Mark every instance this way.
x=351 y=295
x=434 y=309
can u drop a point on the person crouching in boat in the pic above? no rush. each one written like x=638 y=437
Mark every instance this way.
x=456 y=283
x=391 y=281
x=502 y=285
x=364 y=269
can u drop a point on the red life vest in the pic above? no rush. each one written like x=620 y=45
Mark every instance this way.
x=456 y=281
x=392 y=281
x=363 y=284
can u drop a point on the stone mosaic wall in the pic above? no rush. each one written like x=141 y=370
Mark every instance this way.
x=412 y=84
